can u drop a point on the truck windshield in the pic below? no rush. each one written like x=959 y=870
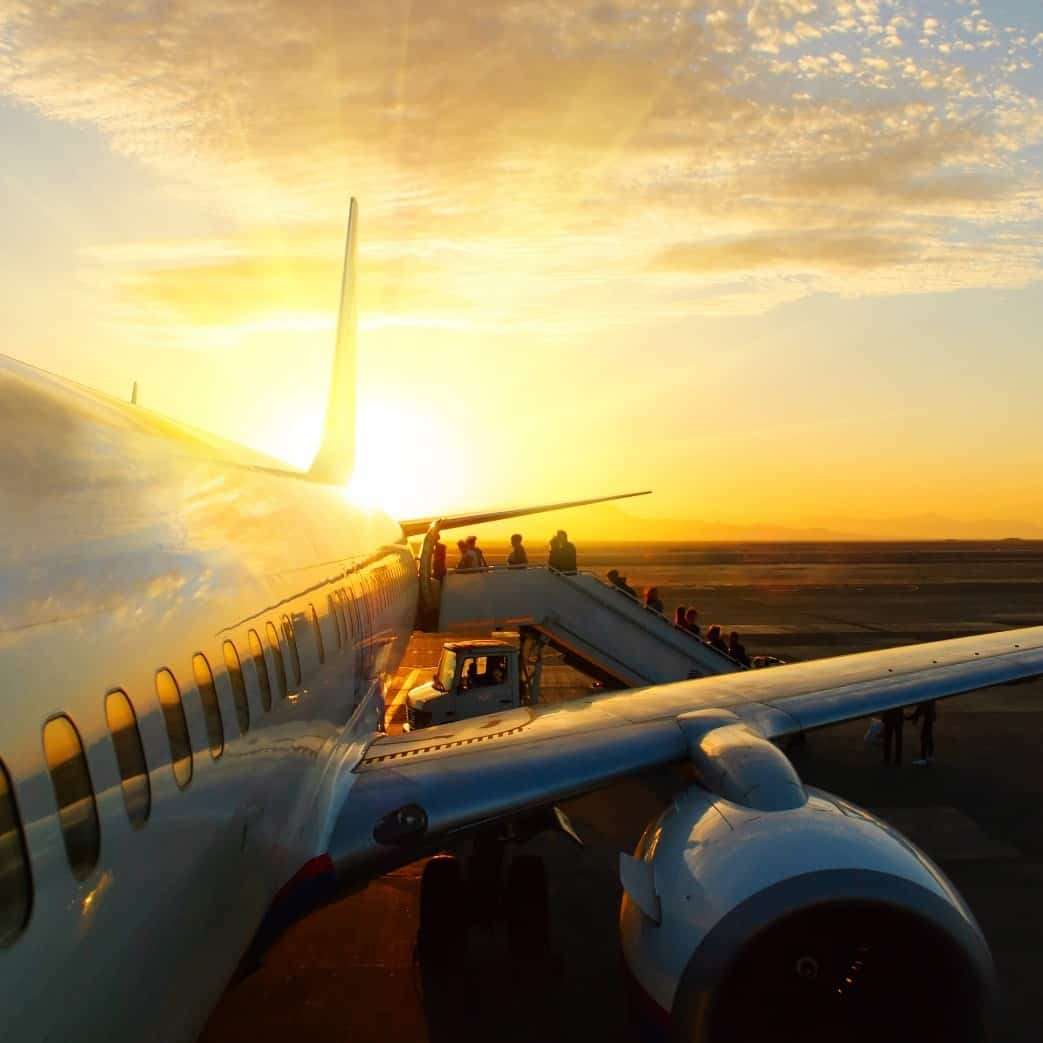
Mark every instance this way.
x=446 y=671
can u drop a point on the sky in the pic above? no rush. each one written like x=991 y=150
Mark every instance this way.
x=778 y=260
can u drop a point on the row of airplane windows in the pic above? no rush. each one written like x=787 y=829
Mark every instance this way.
x=352 y=616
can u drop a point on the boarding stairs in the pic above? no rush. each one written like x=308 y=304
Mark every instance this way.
x=599 y=628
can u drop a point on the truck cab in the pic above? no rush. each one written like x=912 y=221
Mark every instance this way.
x=472 y=678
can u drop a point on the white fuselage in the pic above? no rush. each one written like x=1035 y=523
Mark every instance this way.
x=131 y=547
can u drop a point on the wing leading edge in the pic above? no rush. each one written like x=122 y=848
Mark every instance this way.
x=416 y=792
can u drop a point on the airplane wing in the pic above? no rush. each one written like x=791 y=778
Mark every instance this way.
x=418 y=526
x=412 y=794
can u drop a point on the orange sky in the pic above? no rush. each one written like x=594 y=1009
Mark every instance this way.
x=778 y=261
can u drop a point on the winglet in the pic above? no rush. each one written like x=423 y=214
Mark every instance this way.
x=335 y=457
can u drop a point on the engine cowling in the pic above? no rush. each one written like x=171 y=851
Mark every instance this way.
x=812 y=922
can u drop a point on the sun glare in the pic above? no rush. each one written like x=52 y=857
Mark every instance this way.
x=396 y=461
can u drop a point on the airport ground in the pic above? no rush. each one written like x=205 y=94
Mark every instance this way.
x=348 y=973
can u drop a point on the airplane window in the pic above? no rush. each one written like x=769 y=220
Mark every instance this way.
x=261 y=669
x=291 y=642
x=318 y=633
x=335 y=616
x=280 y=668
x=349 y=606
x=347 y=611
x=130 y=756
x=211 y=708
x=177 y=727
x=16 y=885
x=235 y=679
x=71 y=780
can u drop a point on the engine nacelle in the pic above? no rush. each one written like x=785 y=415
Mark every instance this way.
x=810 y=922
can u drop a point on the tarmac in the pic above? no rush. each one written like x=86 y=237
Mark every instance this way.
x=349 y=973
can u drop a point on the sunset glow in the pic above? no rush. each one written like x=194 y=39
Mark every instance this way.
x=778 y=260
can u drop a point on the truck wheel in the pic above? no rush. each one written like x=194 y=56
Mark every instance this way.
x=442 y=911
x=527 y=906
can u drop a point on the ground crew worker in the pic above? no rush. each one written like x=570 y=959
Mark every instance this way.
x=925 y=713
x=893 y=721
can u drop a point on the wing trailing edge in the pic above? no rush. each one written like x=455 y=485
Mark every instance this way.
x=418 y=526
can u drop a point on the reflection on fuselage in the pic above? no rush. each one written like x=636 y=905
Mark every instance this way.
x=158 y=787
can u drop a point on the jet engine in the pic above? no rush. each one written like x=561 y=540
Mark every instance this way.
x=756 y=909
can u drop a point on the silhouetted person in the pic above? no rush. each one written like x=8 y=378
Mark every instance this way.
x=893 y=721
x=620 y=582
x=714 y=639
x=926 y=713
x=691 y=622
x=438 y=567
x=567 y=552
x=468 y=559
x=479 y=557
x=517 y=558
x=679 y=617
x=652 y=599
x=554 y=557
x=737 y=650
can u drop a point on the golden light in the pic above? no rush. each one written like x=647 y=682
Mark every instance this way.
x=404 y=460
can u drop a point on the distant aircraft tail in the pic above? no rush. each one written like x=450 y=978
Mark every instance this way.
x=335 y=457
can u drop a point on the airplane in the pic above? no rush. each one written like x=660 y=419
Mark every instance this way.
x=195 y=645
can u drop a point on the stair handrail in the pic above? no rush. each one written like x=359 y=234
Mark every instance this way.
x=549 y=570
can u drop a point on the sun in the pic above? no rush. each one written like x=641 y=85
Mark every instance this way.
x=402 y=461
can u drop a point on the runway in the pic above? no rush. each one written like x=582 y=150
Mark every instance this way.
x=348 y=973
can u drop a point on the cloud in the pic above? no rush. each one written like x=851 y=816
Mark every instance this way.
x=508 y=154
x=816 y=249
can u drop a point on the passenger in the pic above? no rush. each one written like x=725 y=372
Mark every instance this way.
x=554 y=558
x=468 y=560
x=517 y=559
x=737 y=650
x=691 y=622
x=567 y=552
x=479 y=557
x=679 y=620
x=620 y=582
x=438 y=568
x=893 y=721
x=652 y=599
x=925 y=713
x=714 y=639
